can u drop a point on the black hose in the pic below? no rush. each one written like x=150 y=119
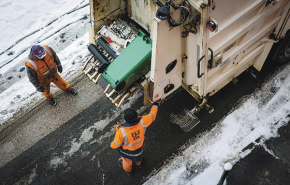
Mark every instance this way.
x=184 y=13
x=107 y=47
x=100 y=56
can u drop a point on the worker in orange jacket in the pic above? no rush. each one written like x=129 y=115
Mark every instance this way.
x=129 y=137
x=42 y=65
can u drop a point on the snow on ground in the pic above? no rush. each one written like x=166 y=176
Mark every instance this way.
x=26 y=23
x=256 y=119
x=23 y=18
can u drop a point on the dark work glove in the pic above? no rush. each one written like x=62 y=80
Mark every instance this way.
x=59 y=68
x=40 y=89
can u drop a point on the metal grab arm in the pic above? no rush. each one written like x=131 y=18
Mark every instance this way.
x=198 y=67
x=199 y=61
x=211 y=58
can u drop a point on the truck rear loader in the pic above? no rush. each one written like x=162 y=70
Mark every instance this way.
x=200 y=45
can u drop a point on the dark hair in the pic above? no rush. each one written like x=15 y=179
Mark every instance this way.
x=130 y=115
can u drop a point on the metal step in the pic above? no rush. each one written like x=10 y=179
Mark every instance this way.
x=186 y=120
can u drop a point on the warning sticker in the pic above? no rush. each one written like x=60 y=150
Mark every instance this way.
x=224 y=62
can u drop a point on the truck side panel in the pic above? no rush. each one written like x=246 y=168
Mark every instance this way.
x=242 y=39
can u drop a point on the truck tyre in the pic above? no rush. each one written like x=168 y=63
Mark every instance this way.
x=283 y=52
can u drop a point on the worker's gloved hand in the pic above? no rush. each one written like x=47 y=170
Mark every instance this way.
x=157 y=103
x=59 y=68
x=40 y=89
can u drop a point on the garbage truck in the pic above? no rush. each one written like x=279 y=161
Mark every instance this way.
x=201 y=45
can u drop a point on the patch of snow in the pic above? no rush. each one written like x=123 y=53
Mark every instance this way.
x=23 y=18
x=56 y=161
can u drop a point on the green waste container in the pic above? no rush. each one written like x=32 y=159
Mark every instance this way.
x=133 y=63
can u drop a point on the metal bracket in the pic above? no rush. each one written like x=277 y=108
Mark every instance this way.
x=118 y=99
x=198 y=67
x=92 y=71
x=211 y=58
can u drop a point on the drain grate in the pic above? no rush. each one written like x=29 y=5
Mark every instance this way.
x=186 y=120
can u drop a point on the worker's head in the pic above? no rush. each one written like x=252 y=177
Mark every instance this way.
x=130 y=115
x=38 y=51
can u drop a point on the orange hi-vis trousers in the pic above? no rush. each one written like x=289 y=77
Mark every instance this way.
x=59 y=82
x=128 y=164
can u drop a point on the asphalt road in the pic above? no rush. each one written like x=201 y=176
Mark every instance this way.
x=49 y=160
x=262 y=168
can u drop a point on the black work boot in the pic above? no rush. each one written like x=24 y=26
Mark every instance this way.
x=120 y=162
x=52 y=102
x=74 y=92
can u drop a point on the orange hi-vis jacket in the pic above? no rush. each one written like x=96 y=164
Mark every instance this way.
x=45 y=69
x=129 y=138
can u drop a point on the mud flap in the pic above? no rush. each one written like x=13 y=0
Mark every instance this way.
x=186 y=120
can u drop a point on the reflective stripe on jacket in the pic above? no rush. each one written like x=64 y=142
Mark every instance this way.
x=45 y=69
x=129 y=139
